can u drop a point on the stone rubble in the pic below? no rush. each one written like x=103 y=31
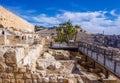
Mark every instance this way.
x=26 y=61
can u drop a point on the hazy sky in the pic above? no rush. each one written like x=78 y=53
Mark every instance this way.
x=92 y=15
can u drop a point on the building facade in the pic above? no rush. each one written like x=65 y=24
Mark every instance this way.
x=10 y=20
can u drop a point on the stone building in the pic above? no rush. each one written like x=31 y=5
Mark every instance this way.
x=10 y=20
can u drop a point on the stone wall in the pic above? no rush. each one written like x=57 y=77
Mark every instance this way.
x=17 y=63
x=8 y=19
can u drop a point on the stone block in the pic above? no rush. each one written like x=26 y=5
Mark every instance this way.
x=66 y=80
x=53 y=79
x=12 y=81
x=22 y=70
x=19 y=76
x=6 y=80
x=20 y=81
x=71 y=81
x=42 y=73
x=27 y=76
x=60 y=79
x=9 y=69
x=35 y=81
x=35 y=75
x=45 y=79
x=10 y=75
x=10 y=57
x=2 y=59
x=28 y=81
x=3 y=75
x=2 y=67
x=39 y=80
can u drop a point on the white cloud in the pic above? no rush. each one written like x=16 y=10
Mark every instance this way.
x=113 y=13
x=91 y=21
x=96 y=21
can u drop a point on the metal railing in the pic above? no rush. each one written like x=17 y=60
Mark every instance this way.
x=102 y=56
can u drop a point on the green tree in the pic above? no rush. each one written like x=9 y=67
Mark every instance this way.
x=66 y=31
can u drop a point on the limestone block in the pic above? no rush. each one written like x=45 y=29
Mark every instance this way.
x=28 y=81
x=6 y=80
x=22 y=70
x=2 y=67
x=15 y=68
x=10 y=75
x=51 y=67
x=57 y=64
x=48 y=56
x=9 y=69
x=51 y=52
x=42 y=73
x=66 y=80
x=35 y=81
x=32 y=56
x=53 y=79
x=28 y=70
x=45 y=79
x=41 y=65
x=39 y=80
x=71 y=81
x=35 y=75
x=10 y=57
x=27 y=76
x=70 y=76
x=20 y=81
x=12 y=81
x=3 y=75
x=19 y=76
x=60 y=79
x=54 y=65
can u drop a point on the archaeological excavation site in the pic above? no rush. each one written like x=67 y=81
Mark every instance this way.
x=29 y=56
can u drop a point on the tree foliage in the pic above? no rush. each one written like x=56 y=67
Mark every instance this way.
x=66 y=31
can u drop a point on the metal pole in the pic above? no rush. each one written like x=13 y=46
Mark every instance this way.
x=115 y=64
x=106 y=74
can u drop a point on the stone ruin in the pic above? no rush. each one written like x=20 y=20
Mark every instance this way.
x=27 y=61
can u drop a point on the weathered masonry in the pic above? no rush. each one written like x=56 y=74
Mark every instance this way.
x=10 y=20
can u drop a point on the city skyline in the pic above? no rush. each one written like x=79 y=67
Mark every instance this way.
x=93 y=16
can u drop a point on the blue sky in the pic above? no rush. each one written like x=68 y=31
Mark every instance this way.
x=93 y=15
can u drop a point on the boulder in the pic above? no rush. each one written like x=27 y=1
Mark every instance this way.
x=61 y=55
x=48 y=56
x=45 y=79
x=10 y=57
x=41 y=65
x=54 y=65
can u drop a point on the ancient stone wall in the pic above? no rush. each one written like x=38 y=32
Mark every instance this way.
x=8 y=19
x=17 y=63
